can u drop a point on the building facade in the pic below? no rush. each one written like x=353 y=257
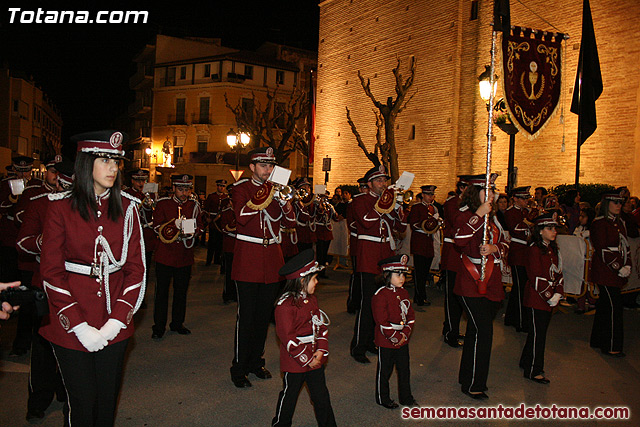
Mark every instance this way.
x=442 y=132
x=30 y=124
x=189 y=117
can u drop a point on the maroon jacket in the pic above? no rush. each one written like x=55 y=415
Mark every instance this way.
x=75 y=297
x=212 y=204
x=375 y=232
x=393 y=315
x=450 y=252
x=178 y=253
x=27 y=261
x=421 y=242
x=30 y=234
x=8 y=205
x=520 y=232
x=146 y=220
x=305 y=221
x=351 y=226
x=324 y=216
x=544 y=277
x=228 y=225
x=611 y=251
x=252 y=260
x=295 y=329
x=469 y=238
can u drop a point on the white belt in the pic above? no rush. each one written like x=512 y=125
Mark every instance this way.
x=396 y=326
x=86 y=269
x=611 y=248
x=372 y=238
x=522 y=242
x=303 y=224
x=421 y=231
x=230 y=234
x=479 y=260
x=261 y=241
x=353 y=234
x=306 y=339
x=9 y=217
x=449 y=240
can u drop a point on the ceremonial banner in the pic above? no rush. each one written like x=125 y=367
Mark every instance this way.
x=532 y=69
x=339 y=246
x=573 y=250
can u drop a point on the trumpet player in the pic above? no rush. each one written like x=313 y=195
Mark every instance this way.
x=139 y=177
x=212 y=207
x=519 y=227
x=424 y=220
x=325 y=213
x=174 y=255
x=377 y=216
x=305 y=212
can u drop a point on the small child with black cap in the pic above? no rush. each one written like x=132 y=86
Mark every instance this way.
x=302 y=329
x=394 y=317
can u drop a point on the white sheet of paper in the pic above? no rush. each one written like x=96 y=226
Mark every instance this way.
x=280 y=175
x=405 y=180
x=189 y=226
x=150 y=187
x=319 y=189
x=17 y=186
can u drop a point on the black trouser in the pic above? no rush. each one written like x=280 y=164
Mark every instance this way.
x=8 y=264
x=476 y=352
x=607 y=333
x=322 y=250
x=532 y=359
x=387 y=359
x=229 y=292
x=304 y=246
x=255 y=305
x=364 y=326
x=292 y=382
x=44 y=378
x=181 y=277
x=214 y=247
x=355 y=289
x=422 y=268
x=452 y=309
x=93 y=382
x=514 y=314
x=27 y=319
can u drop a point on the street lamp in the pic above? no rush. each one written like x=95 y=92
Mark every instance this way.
x=237 y=141
x=484 y=80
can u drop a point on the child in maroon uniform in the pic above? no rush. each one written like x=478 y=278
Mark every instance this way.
x=302 y=329
x=542 y=292
x=394 y=317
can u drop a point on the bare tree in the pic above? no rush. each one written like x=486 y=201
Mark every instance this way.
x=281 y=126
x=386 y=114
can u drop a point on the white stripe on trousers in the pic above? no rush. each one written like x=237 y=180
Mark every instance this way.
x=475 y=345
x=359 y=313
x=611 y=304
x=379 y=374
x=535 y=337
x=63 y=383
x=284 y=394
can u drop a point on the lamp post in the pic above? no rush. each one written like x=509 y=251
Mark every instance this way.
x=237 y=141
x=147 y=151
x=484 y=81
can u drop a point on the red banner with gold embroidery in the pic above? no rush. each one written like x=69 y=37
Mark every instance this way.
x=532 y=71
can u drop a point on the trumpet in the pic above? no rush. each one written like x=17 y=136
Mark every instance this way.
x=403 y=196
x=286 y=193
x=148 y=202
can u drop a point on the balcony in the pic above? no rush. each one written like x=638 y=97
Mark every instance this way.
x=218 y=157
x=179 y=119
x=200 y=119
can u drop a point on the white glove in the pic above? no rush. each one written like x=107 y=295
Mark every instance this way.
x=555 y=299
x=111 y=329
x=179 y=223
x=89 y=337
x=624 y=271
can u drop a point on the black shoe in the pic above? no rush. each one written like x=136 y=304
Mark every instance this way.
x=419 y=303
x=389 y=405
x=181 y=330
x=618 y=354
x=542 y=380
x=361 y=358
x=411 y=403
x=241 y=382
x=455 y=343
x=477 y=396
x=373 y=350
x=34 y=413
x=156 y=335
x=262 y=373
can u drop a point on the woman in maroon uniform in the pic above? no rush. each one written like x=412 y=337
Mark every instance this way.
x=93 y=270
x=610 y=269
x=478 y=296
x=542 y=292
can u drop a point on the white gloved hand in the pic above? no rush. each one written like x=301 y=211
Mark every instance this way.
x=111 y=329
x=89 y=337
x=554 y=300
x=179 y=223
x=624 y=271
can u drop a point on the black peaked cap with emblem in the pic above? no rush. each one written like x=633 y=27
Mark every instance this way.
x=262 y=155
x=184 y=180
x=22 y=163
x=397 y=263
x=300 y=265
x=376 y=172
x=102 y=143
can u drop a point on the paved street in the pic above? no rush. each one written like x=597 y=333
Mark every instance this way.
x=184 y=380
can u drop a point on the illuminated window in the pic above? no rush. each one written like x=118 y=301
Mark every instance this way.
x=279 y=77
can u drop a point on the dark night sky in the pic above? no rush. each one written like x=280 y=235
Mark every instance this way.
x=85 y=68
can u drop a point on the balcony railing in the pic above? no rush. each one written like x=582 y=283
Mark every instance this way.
x=173 y=119
x=200 y=119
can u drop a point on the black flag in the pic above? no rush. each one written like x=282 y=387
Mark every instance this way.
x=588 y=86
x=501 y=16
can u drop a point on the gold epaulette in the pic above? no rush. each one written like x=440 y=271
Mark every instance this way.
x=264 y=204
x=169 y=239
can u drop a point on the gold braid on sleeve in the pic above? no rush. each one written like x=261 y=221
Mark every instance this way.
x=264 y=204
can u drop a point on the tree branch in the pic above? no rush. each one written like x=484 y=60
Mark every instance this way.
x=373 y=157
